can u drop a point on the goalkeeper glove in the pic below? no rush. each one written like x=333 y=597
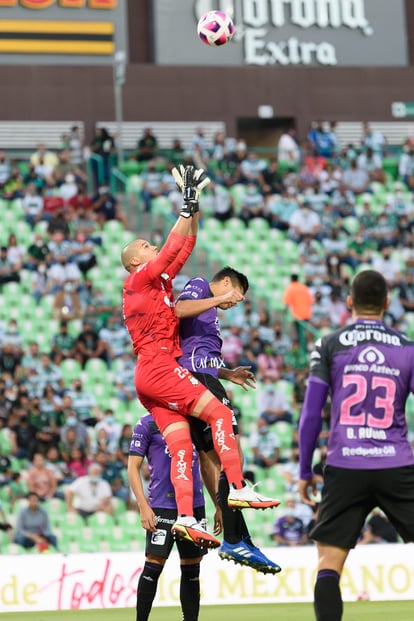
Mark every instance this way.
x=190 y=182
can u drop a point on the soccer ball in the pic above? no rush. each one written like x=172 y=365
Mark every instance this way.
x=215 y=28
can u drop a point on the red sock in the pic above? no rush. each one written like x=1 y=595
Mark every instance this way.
x=181 y=451
x=219 y=417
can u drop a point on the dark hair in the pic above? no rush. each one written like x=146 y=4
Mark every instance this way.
x=369 y=292
x=237 y=278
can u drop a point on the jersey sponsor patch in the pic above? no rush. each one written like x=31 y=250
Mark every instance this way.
x=158 y=538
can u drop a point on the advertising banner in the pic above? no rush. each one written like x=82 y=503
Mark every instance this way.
x=61 y=31
x=326 y=33
x=84 y=581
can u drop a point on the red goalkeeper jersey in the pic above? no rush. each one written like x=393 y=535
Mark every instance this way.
x=148 y=302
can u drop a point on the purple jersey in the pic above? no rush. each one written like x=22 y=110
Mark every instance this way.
x=200 y=338
x=148 y=442
x=369 y=370
x=291 y=530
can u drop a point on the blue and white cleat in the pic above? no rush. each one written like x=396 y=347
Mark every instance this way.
x=245 y=553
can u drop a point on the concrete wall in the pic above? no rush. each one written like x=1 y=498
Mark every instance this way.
x=189 y=93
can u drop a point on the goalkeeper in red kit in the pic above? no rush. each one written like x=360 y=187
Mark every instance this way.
x=165 y=388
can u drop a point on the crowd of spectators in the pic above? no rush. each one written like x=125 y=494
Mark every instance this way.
x=336 y=203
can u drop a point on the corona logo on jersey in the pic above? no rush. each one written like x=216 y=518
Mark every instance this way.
x=255 y=20
x=59 y=27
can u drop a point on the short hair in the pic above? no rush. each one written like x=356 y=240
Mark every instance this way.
x=236 y=277
x=369 y=292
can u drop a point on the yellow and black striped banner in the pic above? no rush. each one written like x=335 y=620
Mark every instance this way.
x=56 y=37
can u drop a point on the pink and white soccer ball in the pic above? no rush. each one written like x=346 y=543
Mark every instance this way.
x=215 y=28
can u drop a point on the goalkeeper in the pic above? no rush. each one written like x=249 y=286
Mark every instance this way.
x=166 y=389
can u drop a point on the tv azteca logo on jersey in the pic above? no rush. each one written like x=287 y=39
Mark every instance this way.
x=272 y=30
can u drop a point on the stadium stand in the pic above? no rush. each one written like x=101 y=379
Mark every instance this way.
x=268 y=251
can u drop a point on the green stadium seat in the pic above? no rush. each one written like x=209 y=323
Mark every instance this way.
x=134 y=184
x=19 y=504
x=4 y=542
x=235 y=224
x=96 y=368
x=119 y=506
x=56 y=509
x=284 y=432
x=259 y=224
x=352 y=224
x=161 y=205
x=129 y=522
x=390 y=166
x=71 y=369
x=71 y=525
x=129 y=168
x=101 y=523
x=237 y=191
x=212 y=224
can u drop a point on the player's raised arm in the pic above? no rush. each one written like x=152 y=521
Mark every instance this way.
x=190 y=182
x=181 y=239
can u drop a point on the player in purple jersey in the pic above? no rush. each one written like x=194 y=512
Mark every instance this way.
x=201 y=343
x=368 y=369
x=158 y=513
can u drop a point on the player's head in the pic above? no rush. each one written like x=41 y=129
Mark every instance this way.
x=137 y=253
x=368 y=294
x=226 y=279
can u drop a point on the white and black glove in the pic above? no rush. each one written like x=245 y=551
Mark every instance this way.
x=190 y=182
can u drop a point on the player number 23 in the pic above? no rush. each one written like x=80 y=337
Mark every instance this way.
x=357 y=397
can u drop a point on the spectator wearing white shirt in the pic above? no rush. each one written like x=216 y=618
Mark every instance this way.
x=41 y=284
x=152 y=184
x=265 y=445
x=32 y=204
x=356 y=179
x=369 y=161
x=372 y=163
x=66 y=279
x=336 y=310
x=69 y=188
x=406 y=165
x=76 y=146
x=252 y=203
x=252 y=167
x=13 y=337
x=218 y=200
x=84 y=404
x=287 y=147
x=387 y=265
x=5 y=169
x=372 y=139
x=112 y=428
x=272 y=403
x=304 y=222
x=90 y=493
x=124 y=378
x=83 y=252
x=46 y=373
x=115 y=335
x=15 y=252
